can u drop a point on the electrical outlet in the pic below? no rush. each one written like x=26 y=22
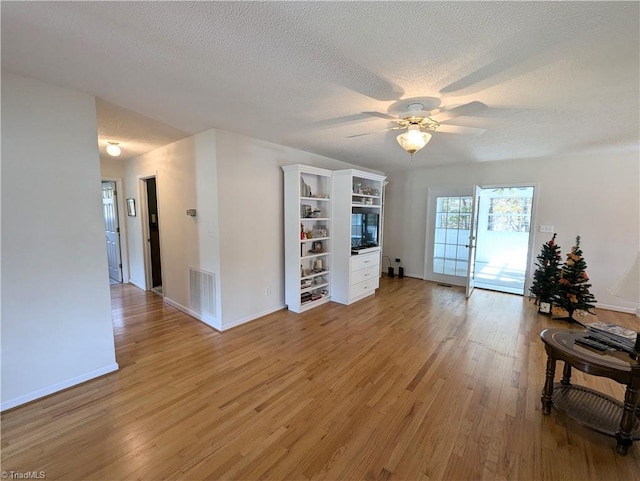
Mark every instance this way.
x=397 y=259
x=546 y=228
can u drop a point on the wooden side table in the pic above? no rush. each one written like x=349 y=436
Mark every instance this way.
x=587 y=406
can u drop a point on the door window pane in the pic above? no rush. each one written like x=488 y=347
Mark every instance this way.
x=453 y=221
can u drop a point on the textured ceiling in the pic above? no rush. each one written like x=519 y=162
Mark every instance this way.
x=556 y=77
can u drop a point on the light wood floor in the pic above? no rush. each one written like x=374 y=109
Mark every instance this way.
x=414 y=383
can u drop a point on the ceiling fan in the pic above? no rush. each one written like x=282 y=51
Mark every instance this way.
x=421 y=117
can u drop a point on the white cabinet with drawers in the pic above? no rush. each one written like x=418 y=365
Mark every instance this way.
x=364 y=274
x=358 y=211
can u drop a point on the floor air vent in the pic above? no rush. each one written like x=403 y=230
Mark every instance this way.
x=202 y=291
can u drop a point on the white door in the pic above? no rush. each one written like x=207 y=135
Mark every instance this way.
x=473 y=235
x=112 y=230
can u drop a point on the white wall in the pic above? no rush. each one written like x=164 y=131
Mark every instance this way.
x=112 y=168
x=56 y=310
x=236 y=185
x=174 y=168
x=594 y=196
x=251 y=193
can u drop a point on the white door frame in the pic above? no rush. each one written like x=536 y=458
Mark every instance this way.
x=124 y=253
x=473 y=241
x=146 y=235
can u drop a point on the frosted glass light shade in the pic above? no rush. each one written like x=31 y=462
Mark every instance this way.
x=413 y=139
x=628 y=287
x=113 y=149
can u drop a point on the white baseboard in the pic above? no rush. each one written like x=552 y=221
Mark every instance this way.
x=137 y=284
x=252 y=317
x=32 y=396
x=215 y=323
x=608 y=307
x=208 y=320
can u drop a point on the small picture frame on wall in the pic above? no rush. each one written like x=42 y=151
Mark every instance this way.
x=131 y=207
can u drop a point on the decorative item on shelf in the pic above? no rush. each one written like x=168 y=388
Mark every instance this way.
x=305 y=211
x=316 y=248
x=303 y=235
x=318 y=265
x=316 y=213
x=320 y=231
x=308 y=234
x=305 y=189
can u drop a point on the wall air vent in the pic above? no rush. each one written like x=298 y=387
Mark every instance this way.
x=202 y=291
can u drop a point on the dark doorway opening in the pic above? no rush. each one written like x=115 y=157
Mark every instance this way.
x=154 y=235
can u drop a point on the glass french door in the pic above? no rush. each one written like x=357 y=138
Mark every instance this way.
x=448 y=231
x=479 y=237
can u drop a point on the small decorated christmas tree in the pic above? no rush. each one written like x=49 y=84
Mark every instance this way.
x=573 y=287
x=546 y=276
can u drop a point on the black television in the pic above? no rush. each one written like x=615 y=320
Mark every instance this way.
x=364 y=230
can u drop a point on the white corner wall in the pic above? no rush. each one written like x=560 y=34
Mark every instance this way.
x=235 y=183
x=251 y=203
x=56 y=310
x=594 y=196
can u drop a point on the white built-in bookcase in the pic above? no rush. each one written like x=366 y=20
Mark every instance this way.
x=320 y=263
x=308 y=236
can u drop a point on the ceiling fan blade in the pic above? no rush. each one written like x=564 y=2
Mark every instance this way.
x=374 y=132
x=381 y=115
x=459 y=129
x=466 y=109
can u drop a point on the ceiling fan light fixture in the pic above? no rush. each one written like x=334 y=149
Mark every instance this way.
x=113 y=149
x=413 y=139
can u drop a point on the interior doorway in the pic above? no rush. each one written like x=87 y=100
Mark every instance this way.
x=112 y=230
x=501 y=238
x=154 y=276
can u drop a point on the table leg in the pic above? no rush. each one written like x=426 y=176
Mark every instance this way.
x=628 y=417
x=547 y=392
x=566 y=374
